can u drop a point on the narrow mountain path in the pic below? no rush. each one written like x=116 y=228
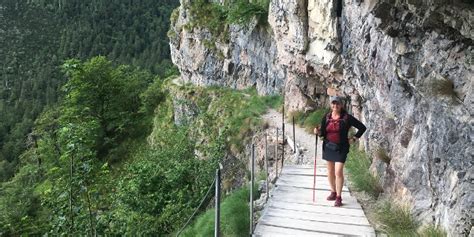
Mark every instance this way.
x=304 y=140
x=290 y=210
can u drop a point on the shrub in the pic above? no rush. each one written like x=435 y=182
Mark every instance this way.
x=358 y=165
x=242 y=12
x=314 y=118
x=299 y=117
x=432 y=231
x=273 y=101
x=396 y=219
x=208 y=15
x=152 y=96
x=216 y=17
x=308 y=120
x=174 y=16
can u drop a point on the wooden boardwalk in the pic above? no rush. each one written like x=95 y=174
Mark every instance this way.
x=290 y=210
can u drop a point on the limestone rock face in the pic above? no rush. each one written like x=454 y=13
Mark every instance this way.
x=405 y=67
x=248 y=59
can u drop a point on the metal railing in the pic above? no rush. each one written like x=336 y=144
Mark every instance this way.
x=216 y=183
x=251 y=188
x=217 y=218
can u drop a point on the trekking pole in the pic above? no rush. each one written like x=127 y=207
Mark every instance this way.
x=315 y=155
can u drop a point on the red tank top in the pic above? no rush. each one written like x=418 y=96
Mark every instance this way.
x=332 y=130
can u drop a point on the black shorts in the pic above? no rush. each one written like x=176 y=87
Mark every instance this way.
x=335 y=156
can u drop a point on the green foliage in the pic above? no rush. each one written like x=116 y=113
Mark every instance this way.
x=299 y=117
x=238 y=112
x=358 y=166
x=152 y=96
x=243 y=11
x=246 y=120
x=235 y=217
x=217 y=18
x=314 y=118
x=71 y=187
x=167 y=195
x=110 y=96
x=207 y=14
x=308 y=120
x=273 y=101
x=174 y=16
x=396 y=219
x=20 y=205
x=94 y=167
x=262 y=175
x=432 y=231
x=38 y=35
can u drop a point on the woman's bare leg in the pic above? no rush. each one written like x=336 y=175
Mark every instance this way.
x=339 y=177
x=331 y=175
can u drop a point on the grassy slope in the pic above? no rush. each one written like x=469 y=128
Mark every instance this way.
x=240 y=112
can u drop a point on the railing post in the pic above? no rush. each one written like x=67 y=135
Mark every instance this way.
x=315 y=166
x=251 y=188
x=276 y=155
x=283 y=136
x=266 y=167
x=294 y=136
x=218 y=203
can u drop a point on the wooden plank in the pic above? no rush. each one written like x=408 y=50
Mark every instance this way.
x=325 y=227
x=320 y=199
x=319 y=170
x=318 y=216
x=305 y=181
x=315 y=207
x=318 y=187
x=303 y=193
x=277 y=231
x=304 y=166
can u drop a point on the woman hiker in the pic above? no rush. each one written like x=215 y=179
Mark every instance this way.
x=334 y=130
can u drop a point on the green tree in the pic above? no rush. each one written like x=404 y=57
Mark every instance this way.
x=164 y=199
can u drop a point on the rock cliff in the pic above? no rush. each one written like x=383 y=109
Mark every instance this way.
x=405 y=67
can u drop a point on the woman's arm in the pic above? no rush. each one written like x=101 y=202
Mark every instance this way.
x=357 y=124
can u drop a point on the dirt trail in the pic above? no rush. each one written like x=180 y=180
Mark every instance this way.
x=304 y=140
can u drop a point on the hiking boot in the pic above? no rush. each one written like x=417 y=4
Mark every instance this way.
x=338 y=201
x=332 y=196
